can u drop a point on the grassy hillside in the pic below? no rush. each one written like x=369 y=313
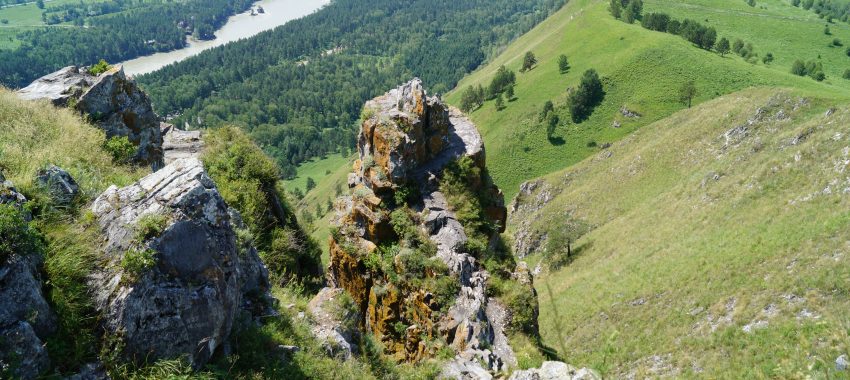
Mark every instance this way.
x=641 y=69
x=331 y=177
x=718 y=244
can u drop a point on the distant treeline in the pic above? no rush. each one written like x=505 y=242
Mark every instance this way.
x=141 y=27
x=299 y=89
x=828 y=9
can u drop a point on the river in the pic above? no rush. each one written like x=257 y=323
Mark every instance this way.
x=243 y=25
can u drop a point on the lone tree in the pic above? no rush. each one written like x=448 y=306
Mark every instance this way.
x=588 y=95
x=688 y=92
x=563 y=64
x=311 y=184
x=722 y=46
x=528 y=62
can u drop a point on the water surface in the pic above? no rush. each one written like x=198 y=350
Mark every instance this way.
x=243 y=25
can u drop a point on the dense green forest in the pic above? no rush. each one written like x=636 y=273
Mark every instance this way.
x=299 y=88
x=115 y=31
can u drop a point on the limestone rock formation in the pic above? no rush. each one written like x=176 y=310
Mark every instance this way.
x=174 y=274
x=405 y=143
x=177 y=143
x=63 y=189
x=112 y=101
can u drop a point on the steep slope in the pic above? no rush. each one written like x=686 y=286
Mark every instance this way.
x=713 y=243
x=641 y=70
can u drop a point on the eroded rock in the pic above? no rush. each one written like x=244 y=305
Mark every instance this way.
x=111 y=100
x=405 y=143
x=177 y=143
x=555 y=371
x=174 y=275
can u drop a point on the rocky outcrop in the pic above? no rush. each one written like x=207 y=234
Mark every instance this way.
x=26 y=319
x=406 y=141
x=174 y=274
x=10 y=195
x=177 y=143
x=61 y=187
x=111 y=100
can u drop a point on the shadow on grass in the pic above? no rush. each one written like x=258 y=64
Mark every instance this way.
x=556 y=140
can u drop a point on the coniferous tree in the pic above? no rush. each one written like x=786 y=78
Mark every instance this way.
x=509 y=93
x=588 y=95
x=563 y=64
x=500 y=102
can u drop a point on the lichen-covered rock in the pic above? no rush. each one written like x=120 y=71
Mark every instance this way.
x=177 y=143
x=111 y=100
x=405 y=143
x=26 y=319
x=22 y=352
x=63 y=189
x=173 y=279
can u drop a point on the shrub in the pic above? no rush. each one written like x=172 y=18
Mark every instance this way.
x=120 y=148
x=247 y=180
x=136 y=261
x=846 y=74
x=99 y=68
x=150 y=225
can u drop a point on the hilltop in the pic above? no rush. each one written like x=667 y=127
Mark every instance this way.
x=642 y=72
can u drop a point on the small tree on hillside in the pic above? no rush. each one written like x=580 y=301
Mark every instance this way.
x=826 y=30
x=528 y=61
x=311 y=184
x=722 y=46
x=768 y=58
x=468 y=100
x=687 y=93
x=509 y=93
x=563 y=64
x=39 y=4
x=588 y=95
x=738 y=46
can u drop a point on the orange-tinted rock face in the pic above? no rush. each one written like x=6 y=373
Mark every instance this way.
x=406 y=142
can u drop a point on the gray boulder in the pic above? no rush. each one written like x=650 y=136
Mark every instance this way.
x=184 y=297
x=26 y=319
x=59 y=184
x=22 y=351
x=111 y=100
x=177 y=143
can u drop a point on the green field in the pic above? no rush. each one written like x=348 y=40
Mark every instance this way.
x=707 y=257
x=330 y=174
x=641 y=69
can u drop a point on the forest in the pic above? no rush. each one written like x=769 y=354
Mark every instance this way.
x=299 y=88
x=115 y=31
